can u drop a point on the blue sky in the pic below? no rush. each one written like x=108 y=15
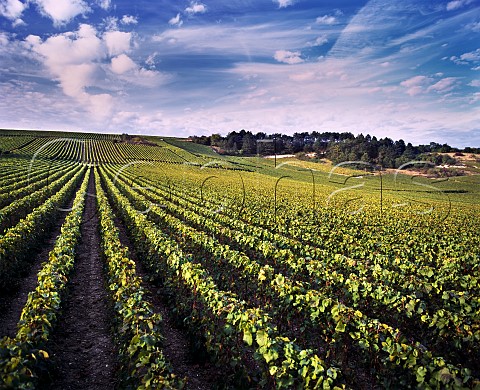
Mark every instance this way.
x=402 y=69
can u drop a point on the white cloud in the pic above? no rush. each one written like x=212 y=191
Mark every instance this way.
x=237 y=40
x=62 y=11
x=101 y=105
x=73 y=59
x=475 y=26
x=150 y=61
x=122 y=64
x=129 y=19
x=326 y=19
x=474 y=83
x=415 y=81
x=110 y=23
x=456 y=4
x=475 y=98
x=176 y=21
x=307 y=76
x=141 y=121
x=75 y=77
x=18 y=22
x=196 y=8
x=288 y=57
x=76 y=60
x=443 y=85
x=473 y=56
x=283 y=3
x=422 y=84
x=68 y=48
x=144 y=77
x=416 y=85
x=12 y=9
x=467 y=58
x=320 y=41
x=117 y=42
x=4 y=39
x=105 y=4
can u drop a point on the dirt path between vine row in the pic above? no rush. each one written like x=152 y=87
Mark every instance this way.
x=176 y=347
x=13 y=301
x=82 y=348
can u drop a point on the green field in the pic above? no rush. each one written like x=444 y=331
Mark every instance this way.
x=299 y=275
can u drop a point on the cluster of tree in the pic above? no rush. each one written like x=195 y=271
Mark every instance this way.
x=337 y=147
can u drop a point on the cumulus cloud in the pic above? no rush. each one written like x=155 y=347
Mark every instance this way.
x=326 y=19
x=474 y=83
x=288 y=57
x=110 y=23
x=18 y=22
x=176 y=21
x=117 y=42
x=73 y=60
x=196 y=8
x=283 y=3
x=12 y=9
x=129 y=19
x=68 y=48
x=3 y=39
x=105 y=4
x=467 y=58
x=77 y=61
x=62 y=11
x=456 y=4
x=122 y=64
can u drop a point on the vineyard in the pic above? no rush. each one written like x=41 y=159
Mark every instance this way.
x=163 y=265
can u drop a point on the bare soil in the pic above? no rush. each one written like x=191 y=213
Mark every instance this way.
x=82 y=348
x=13 y=300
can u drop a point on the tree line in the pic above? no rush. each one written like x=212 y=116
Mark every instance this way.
x=335 y=146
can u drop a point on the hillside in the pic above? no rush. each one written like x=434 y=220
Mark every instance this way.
x=144 y=262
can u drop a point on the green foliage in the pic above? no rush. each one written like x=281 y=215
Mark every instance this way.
x=138 y=328
x=22 y=359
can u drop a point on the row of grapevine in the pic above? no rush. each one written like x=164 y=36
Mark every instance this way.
x=19 y=240
x=58 y=134
x=451 y=321
x=296 y=297
x=271 y=241
x=227 y=320
x=23 y=358
x=32 y=183
x=23 y=173
x=429 y=366
x=15 y=211
x=96 y=150
x=138 y=328
x=10 y=144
